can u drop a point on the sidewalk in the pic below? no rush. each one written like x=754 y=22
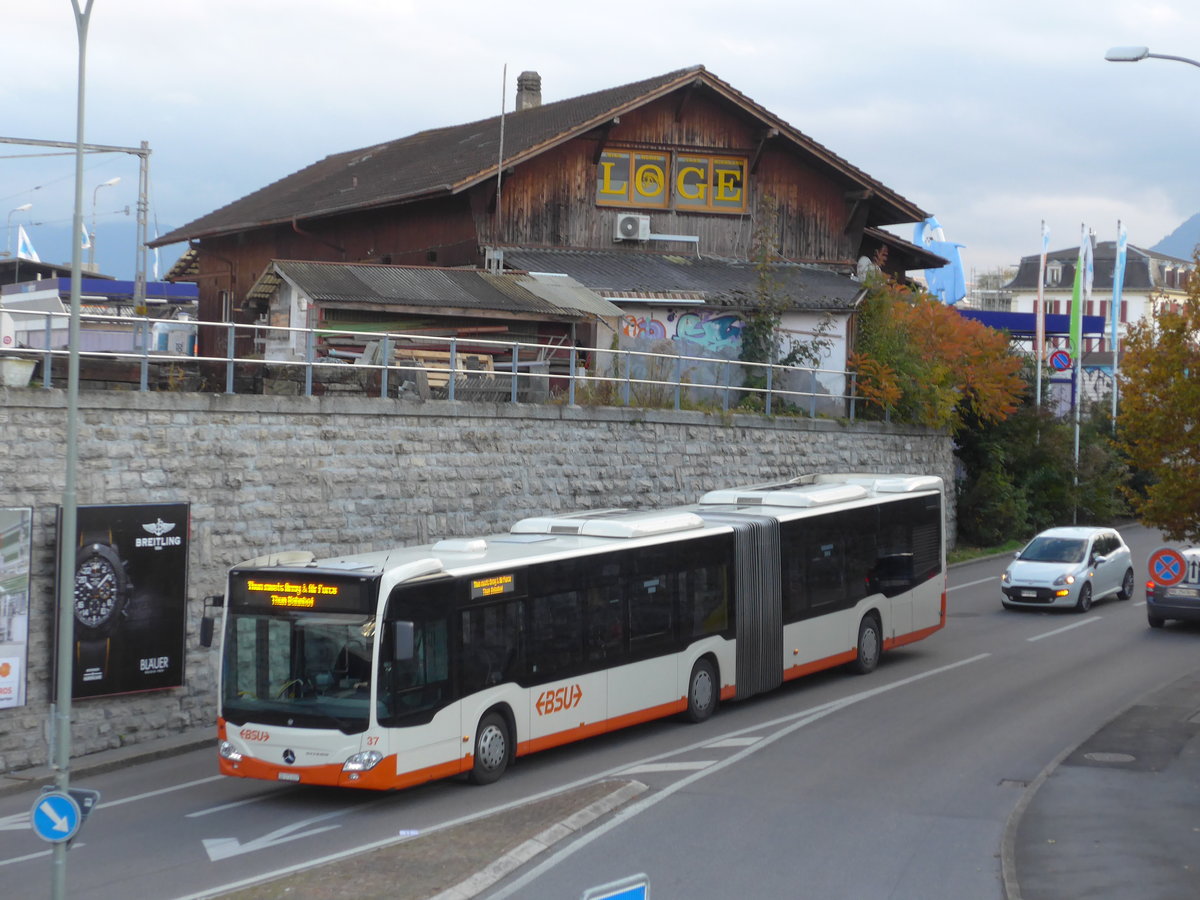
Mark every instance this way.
x=1118 y=817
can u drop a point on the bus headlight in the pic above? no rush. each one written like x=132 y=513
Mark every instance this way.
x=225 y=751
x=363 y=762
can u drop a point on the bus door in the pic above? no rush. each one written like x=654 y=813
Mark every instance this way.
x=417 y=695
x=568 y=697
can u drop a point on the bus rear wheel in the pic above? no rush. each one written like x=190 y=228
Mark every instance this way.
x=491 y=749
x=702 y=691
x=870 y=645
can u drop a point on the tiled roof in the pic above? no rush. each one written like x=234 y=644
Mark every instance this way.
x=620 y=275
x=447 y=160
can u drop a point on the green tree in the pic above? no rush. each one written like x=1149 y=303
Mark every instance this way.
x=1159 y=415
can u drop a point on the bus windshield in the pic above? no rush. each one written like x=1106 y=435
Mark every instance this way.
x=298 y=668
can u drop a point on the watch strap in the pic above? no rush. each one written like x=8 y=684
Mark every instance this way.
x=91 y=659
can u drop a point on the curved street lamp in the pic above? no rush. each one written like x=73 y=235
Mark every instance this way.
x=1137 y=54
x=22 y=208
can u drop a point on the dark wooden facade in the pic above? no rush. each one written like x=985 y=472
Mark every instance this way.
x=548 y=198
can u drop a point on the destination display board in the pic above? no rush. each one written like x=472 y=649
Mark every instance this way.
x=310 y=590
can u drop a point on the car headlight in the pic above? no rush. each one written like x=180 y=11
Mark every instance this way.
x=362 y=762
x=1065 y=579
x=1006 y=577
x=225 y=751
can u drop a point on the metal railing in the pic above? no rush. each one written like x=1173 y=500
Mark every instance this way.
x=388 y=364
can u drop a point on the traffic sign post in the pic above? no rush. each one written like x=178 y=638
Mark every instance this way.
x=56 y=817
x=1167 y=567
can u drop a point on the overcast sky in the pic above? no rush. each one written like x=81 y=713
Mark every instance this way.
x=993 y=115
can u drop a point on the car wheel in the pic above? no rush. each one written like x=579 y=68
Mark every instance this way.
x=870 y=645
x=1084 y=603
x=702 y=691
x=1126 y=590
x=491 y=749
x=1155 y=621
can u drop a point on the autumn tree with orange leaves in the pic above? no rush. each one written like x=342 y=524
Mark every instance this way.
x=917 y=360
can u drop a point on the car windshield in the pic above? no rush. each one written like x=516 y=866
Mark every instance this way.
x=1055 y=549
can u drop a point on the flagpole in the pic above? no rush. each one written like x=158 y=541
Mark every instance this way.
x=1118 y=288
x=1039 y=315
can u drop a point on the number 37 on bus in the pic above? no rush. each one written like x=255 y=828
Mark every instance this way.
x=388 y=669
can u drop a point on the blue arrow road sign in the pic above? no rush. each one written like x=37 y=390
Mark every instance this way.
x=635 y=887
x=55 y=817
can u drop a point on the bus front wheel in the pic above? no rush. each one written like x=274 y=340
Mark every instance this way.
x=491 y=749
x=703 y=691
x=870 y=644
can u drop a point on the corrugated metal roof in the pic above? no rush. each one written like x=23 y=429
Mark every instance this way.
x=429 y=288
x=617 y=275
x=447 y=160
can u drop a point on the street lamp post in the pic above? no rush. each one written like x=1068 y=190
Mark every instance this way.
x=1137 y=54
x=22 y=208
x=92 y=233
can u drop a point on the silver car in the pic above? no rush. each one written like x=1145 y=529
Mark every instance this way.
x=1179 y=601
x=1069 y=567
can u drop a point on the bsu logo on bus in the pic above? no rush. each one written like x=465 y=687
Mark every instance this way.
x=566 y=697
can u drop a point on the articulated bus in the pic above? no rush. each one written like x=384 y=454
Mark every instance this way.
x=393 y=668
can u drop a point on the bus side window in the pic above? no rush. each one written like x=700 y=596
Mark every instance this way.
x=555 y=634
x=491 y=644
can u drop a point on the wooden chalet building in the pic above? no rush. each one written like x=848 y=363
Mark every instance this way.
x=648 y=195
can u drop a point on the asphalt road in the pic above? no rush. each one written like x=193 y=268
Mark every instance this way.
x=898 y=784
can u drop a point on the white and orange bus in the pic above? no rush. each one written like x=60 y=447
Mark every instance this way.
x=392 y=668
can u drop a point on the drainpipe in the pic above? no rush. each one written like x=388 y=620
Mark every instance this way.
x=320 y=240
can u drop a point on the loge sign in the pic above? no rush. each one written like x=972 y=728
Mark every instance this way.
x=690 y=182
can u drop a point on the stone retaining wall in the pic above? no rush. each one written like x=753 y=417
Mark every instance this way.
x=335 y=475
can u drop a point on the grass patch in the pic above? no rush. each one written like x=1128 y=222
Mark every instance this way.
x=966 y=554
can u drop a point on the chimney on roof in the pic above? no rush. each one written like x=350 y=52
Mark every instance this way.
x=529 y=90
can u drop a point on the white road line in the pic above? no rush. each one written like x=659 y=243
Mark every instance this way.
x=669 y=767
x=225 y=806
x=813 y=713
x=1047 y=634
x=796 y=723
x=733 y=742
x=166 y=790
x=994 y=578
x=38 y=855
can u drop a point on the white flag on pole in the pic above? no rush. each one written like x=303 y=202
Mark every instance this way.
x=85 y=239
x=24 y=247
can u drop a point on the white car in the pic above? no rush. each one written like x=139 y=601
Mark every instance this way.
x=1069 y=567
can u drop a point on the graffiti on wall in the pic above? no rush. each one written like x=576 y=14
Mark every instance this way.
x=711 y=330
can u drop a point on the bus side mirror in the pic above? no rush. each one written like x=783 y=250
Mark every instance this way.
x=208 y=621
x=402 y=641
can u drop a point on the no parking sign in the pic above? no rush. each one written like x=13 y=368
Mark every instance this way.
x=1167 y=566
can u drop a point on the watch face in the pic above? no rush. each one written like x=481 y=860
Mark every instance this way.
x=98 y=586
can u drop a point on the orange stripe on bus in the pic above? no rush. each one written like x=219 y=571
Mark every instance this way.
x=818 y=665
x=587 y=730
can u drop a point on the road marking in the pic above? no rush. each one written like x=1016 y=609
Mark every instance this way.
x=1038 y=637
x=734 y=742
x=669 y=767
x=225 y=806
x=166 y=790
x=816 y=712
x=28 y=856
x=994 y=578
x=790 y=724
x=223 y=848
x=15 y=822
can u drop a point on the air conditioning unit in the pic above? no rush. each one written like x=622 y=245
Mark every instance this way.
x=632 y=228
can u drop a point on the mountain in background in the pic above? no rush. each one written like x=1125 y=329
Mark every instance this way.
x=1181 y=243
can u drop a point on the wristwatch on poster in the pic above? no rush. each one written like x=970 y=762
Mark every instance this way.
x=102 y=590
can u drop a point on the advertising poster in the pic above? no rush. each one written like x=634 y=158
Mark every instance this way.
x=130 y=598
x=16 y=538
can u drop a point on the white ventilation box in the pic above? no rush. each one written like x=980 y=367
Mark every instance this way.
x=631 y=228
